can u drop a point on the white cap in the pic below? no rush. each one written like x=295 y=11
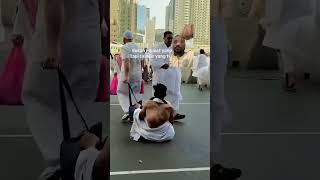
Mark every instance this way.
x=128 y=35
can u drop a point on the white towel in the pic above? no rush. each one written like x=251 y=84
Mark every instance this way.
x=139 y=128
x=85 y=164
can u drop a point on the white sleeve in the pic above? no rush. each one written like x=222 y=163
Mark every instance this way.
x=125 y=52
x=155 y=62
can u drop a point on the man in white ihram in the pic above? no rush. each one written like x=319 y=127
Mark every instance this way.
x=201 y=70
x=131 y=73
x=160 y=60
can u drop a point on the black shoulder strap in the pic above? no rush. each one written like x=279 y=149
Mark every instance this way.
x=131 y=93
x=164 y=101
x=64 y=110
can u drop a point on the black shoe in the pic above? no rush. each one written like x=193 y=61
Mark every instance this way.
x=306 y=76
x=179 y=116
x=218 y=172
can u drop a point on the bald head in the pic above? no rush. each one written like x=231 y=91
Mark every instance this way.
x=179 y=45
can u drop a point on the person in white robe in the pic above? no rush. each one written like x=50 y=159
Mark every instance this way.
x=159 y=59
x=158 y=111
x=140 y=128
x=220 y=112
x=278 y=13
x=200 y=69
x=76 y=47
x=162 y=73
x=177 y=58
x=300 y=39
x=131 y=73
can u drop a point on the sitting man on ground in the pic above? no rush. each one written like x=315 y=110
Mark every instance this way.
x=154 y=119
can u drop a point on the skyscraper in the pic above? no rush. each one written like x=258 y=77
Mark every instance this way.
x=141 y=18
x=159 y=35
x=148 y=13
x=197 y=12
x=182 y=13
x=170 y=10
x=200 y=17
x=133 y=16
x=115 y=21
x=123 y=17
x=150 y=32
x=167 y=17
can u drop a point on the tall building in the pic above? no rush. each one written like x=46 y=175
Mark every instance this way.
x=141 y=18
x=159 y=35
x=167 y=18
x=150 y=32
x=182 y=13
x=148 y=13
x=200 y=17
x=197 y=12
x=133 y=16
x=114 y=20
x=123 y=17
x=170 y=10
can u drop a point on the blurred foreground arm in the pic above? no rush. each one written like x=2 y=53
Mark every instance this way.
x=54 y=20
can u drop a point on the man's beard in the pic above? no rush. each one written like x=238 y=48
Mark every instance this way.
x=179 y=51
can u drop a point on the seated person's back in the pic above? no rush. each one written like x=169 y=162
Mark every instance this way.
x=157 y=114
x=157 y=111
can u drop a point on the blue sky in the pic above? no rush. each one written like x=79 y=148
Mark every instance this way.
x=157 y=9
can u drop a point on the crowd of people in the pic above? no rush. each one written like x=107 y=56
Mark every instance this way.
x=165 y=62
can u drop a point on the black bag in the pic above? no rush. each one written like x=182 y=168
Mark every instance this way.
x=132 y=106
x=70 y=147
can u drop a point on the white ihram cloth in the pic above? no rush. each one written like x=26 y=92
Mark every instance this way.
x=130 y=51
x=220 y=112
x=300 y=43
x=159 y=57
x=139 y=128
x=80 y=61
x=201 y=61
x=85 y=164
x=204 y=75
x=278 y=14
